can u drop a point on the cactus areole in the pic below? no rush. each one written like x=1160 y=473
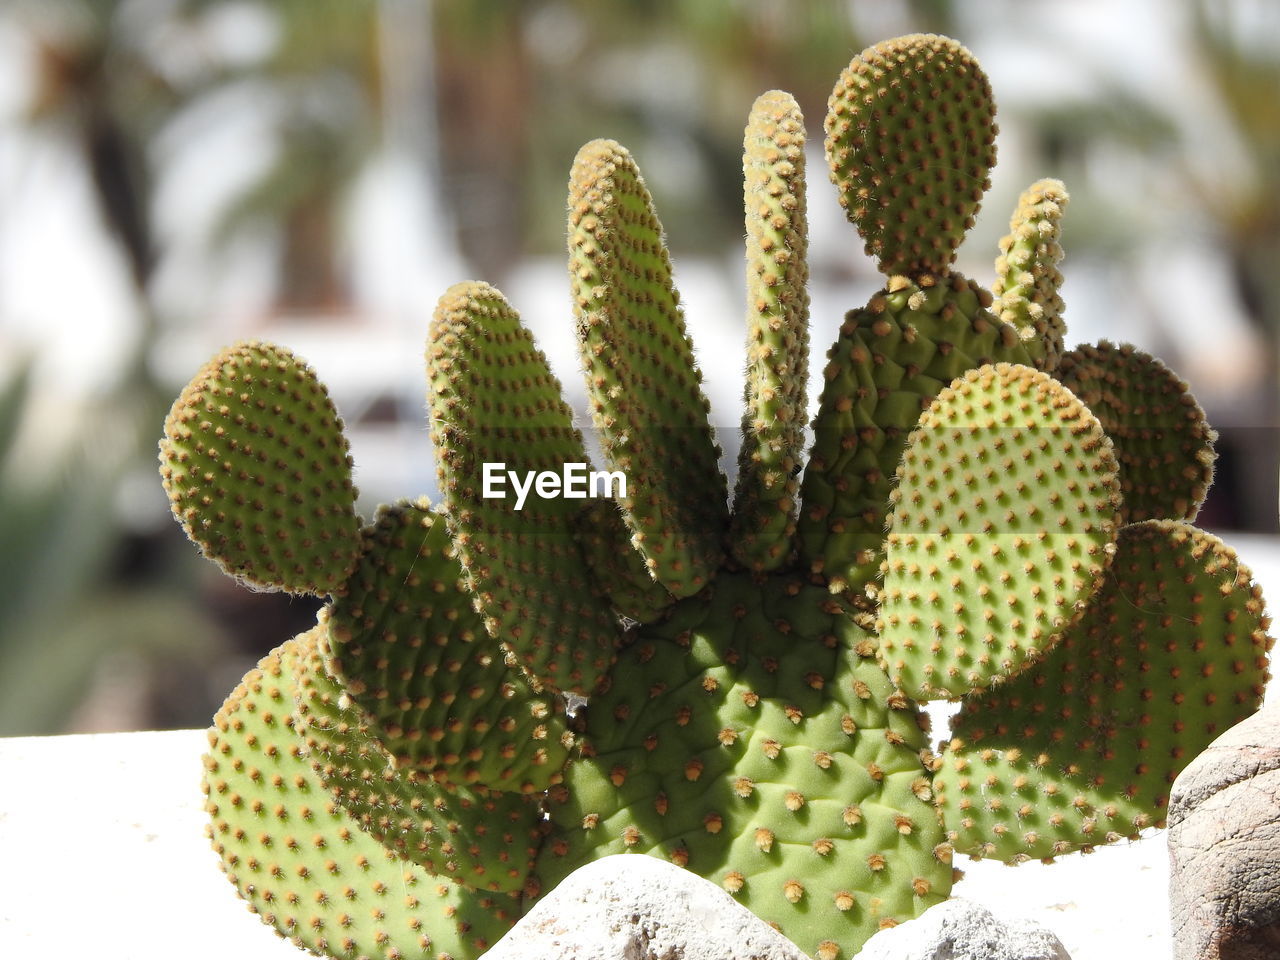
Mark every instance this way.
x=497 y=693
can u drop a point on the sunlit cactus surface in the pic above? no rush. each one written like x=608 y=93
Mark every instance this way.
x=728 y=677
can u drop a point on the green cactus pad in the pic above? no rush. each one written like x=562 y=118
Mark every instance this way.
x=433 y=686
x=1027 y=275
x=753 y=739
x=256 y=467
x=1163 y=441
x=1083 y=749
x=1003 y=521
x=889 y=362
x=303 y=865
x=778 y=334
x=484 y=840
x=911 y=140
x=494 y=400
x=642 y=380
x=496 y=696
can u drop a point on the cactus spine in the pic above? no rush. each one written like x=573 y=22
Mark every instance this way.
x=494 y=697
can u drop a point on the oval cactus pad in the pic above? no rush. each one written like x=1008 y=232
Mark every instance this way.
x=256 y=467
x=305 y=866
x=910 y=140
x=1004 y=516
x=1163 y=441
x=1083 y=749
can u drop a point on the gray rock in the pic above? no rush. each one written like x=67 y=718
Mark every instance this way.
x=635 y=907
x=962 y=930
x=1224 y=846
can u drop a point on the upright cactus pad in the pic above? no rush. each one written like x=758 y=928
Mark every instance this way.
x=1027 y=277
x=495 y=401
x=891 y=359
x=498 y=692
x=645 y=388
x=778 y=333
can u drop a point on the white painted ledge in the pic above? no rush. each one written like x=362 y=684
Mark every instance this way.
x=1110 y=903
x=103 y=854
x=102 y=850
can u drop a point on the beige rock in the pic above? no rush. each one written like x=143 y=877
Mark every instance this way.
x=1224 y=846
x=960 y=929
x=636 y=907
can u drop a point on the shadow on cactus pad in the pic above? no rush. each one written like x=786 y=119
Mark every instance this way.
x=502 y=689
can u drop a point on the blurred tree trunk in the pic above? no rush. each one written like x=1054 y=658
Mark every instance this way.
x=486 y=95
x=1242 y=61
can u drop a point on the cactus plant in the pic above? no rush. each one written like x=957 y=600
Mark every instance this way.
x=494 y=696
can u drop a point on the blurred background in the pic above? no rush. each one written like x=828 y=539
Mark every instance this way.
x=179 y=174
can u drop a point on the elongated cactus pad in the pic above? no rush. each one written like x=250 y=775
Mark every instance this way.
x=1004 y=515
x=433 y=686
x=304 y=866
x=1163 y=441
x=778 y=333
x=498 y=693
x=256 y=467
x=1083 y=749
x=911 y=140
x=1027 y=275
x=497 y=409
x=645 y=388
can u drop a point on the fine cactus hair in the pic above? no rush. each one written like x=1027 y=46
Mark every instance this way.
x=494 y=696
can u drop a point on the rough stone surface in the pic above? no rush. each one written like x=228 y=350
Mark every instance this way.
x=1224 y=846
x=635 y=907
x=963 y=930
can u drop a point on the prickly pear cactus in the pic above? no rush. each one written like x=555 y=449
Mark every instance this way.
x=497 y=694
